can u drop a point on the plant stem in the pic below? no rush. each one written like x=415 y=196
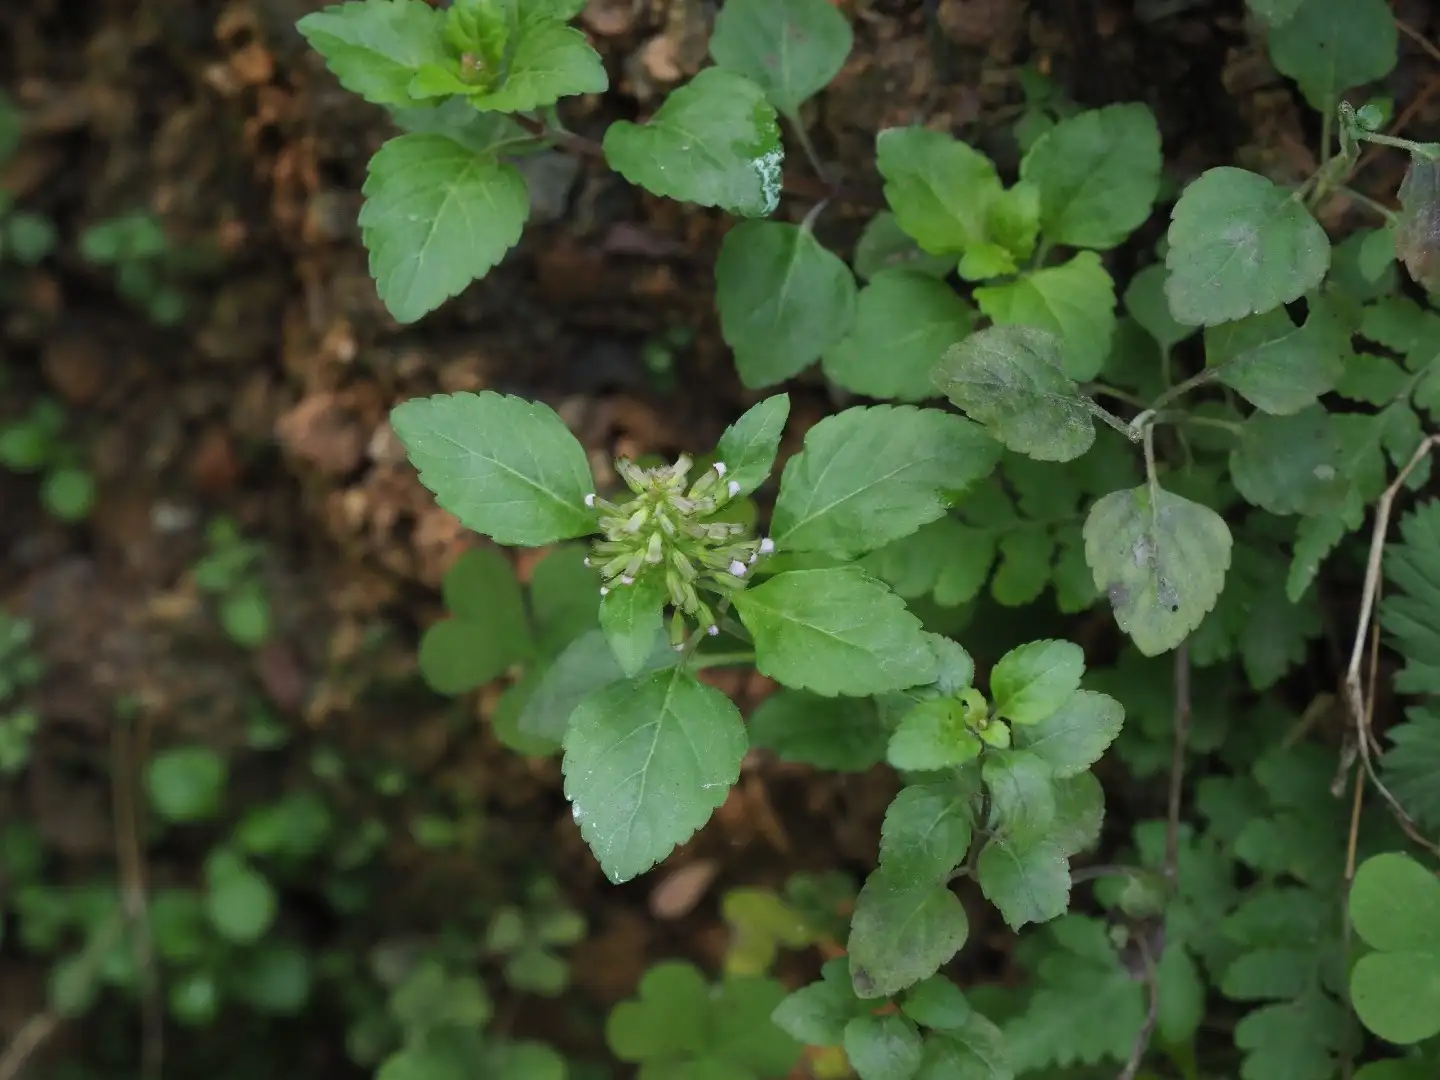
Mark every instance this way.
x=1365 y=200
x=1106 y=416
x=1118 y=395
x=1200 y=378
x=802 y=136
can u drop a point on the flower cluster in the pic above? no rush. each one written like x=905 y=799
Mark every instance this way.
x=666 y=538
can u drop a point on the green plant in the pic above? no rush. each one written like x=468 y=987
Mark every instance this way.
x=19 y=668
x=36 y=443
x=229 y=572
x=1263 y=389
x=148 y=268
x=524 y=938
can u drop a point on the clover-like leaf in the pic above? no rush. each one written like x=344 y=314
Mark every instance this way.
x=748 y=446
x=868 y=476
x=506 y=467
x=1330 y=47
x=904 y=322
x=791 y=49
x=1240 y=245
x=1010 y=379
x=436 y=217
x=1032 y=681
x=715 y=142
x=487 y=631
x=1161 y=559
x=374 y=47
x=647 y=761
x=1075 y=300
x=783 y=299
x=1395 y=908
x=1098 y=173
x=807 y=635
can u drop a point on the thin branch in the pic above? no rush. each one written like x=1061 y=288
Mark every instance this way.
x=1152 y=1012
x=1177 y=766
x=1419 y=39
x=1354 y=688
x=130 y=858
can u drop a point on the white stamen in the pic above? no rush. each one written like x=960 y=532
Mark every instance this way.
x=587 y=560
x=767 y=546
x=604 y=590
x=733 y=487
x=626 y=579
x=590 y=500
x=753 y=558
x=714 y=631
x=737 y=568
x=720 y=469
x=680 y=647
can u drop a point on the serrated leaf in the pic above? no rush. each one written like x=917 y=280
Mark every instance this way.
x=884 y=245
x=1411 y=767
x=1079 y=813
x=1240 y=245
x=1329 y=47
x=975 y=1050
x=1075 y=300
x=933 y=735
x=548 y=61
x=1072 y=738
x=902 y=932
x=506 y=467
x=715 y=142
x=748 y=446
x=437 y=216
x=783 y=299
x=647 y=761
x=1275 y=366
x=817 y=1014
x=883 y=1047
x=807 y=635
x=939 y=188
x=1315 y=539
x=1032 y=681
x=937 y=1003
x=374 y=47
x=1290 y=464
x=1022 y=798
x=904 y=322
x=927 y=830
x=791 y=49
x=1098 y=173
x=632 y=616
x=1011 y=380
x=1408 y=613
x=868 y=476
x=1146 y=302
x=829 y=733
x=587 y=665
x=1161 y=559
x=1024 y=568
x=1025 y=877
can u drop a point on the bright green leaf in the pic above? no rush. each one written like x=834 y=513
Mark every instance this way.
x=185 y=784
x=715 y=142
x=548 y=61
x=1072 y=738
x=790 y=48
x=632 y=616
x=437 y=216
x=933 y=735
x=884 y=245
x=506 y=467
x=748 y=446
x=939 y=188
x=374 y=47
x=1075 y=300
x=1032 y=681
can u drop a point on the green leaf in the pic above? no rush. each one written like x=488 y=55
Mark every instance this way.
x=489 y=630
x=933 y=735
x=1162 y=561
x=1075 y=300
x=1274 y=12
x=1032 y=681
x=437 y=216
x=829 y=733
x=975 y=1050
x=1240 y=245
x=374 y=47
x=1022 y=798
x=927 y=830
x=239 y=902
x=1290 y=464
x=1098 y=173
x=1411 y=767
x=807 y=635
x=1026 y=877
x=791 y=49
x=669 y=1018
x=1329 y=47
x=506 y=467
x=902 y=932
x=744 y=1040
x=868 y=476
x=548 y=61
x=647 y=761
x=1408 y=611
x=748 y=446
x=937 y=1003
x=939 y=188
x=631 y=617
x=1079 y=813
x=588 y=664
x=1275 y=366
x=1072 y=739
x=783 y=299
x=884 y=245
x=1145 y=301
x=1415 y=231
x=715 y=142
x=817 y=1014
x=904 y=322
x=564 y=601
x=185 y=784
x=1011 y=380
x=883 y=1047
x=1395 y=908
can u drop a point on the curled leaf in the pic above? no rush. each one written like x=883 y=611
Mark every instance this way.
x=1417 y=230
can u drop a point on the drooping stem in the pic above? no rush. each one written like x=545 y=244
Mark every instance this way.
x=1200 y=378
x=1106 y=416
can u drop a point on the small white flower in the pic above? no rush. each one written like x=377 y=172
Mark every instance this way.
x=626 y=579
x=604 y=590
x=714 y=631
x=733 y=487
x=737 y=568
x=767 y=546
x=590 y=500
x=587 y=560
x=753 y=559
x=720 y=469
